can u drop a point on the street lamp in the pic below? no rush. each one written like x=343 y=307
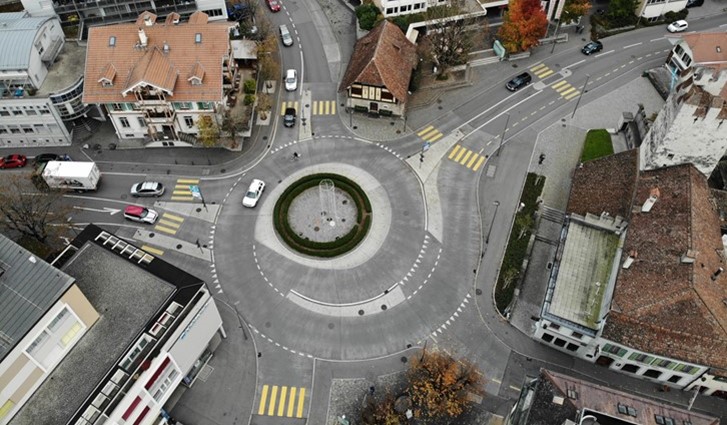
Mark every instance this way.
x=555 y=38
x=579 y=97
x=589 y=417
x=502 y=139
x=492 y=223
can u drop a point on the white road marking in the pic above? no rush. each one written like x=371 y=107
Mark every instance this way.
x=632 y=45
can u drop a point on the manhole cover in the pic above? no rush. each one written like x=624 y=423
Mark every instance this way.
x=331 y=326
x=478 y=291
x=360 y=312
x=383 y=307
x=315 y=229
x=179 y=246
x=404 y=359
x=267 y=324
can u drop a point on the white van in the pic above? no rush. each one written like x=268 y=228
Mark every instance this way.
x=285 y=36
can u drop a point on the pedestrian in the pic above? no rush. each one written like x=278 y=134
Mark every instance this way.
x=372 y=389
x=295 y=155
x=541 y=159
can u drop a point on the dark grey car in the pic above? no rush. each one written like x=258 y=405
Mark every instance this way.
x=289 y=117
x=519 y=82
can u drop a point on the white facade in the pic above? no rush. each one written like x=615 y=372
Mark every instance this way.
x=31 y=122
x=653 y=9
x=391 y=8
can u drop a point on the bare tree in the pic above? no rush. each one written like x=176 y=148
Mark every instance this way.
x=450 y=41
x=33 y=214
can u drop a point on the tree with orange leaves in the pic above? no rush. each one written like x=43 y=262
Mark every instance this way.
x=523 y=25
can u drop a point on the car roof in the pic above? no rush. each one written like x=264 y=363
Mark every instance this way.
x=290 y=72
x=256 y=182
x=149 y=184
x=133 y=209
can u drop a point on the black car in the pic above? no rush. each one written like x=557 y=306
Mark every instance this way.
x=519 y=82
x=289 y=117
x=46 y=157
x=694 y=3
x=592 y=47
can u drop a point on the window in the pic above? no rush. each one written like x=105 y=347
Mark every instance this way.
x=17 y=113
x=184 y=106
x=44 y=111
x=131 y=408
x=31 y=112
x=112 y=41
x=678 y=50
x=124 y=122
x=554 y=326
x=188 y=121
x=651 y=373
x=571 y=347
x=389 y=10
x=27 y=129
x=4 y=114
x=198 y=38
x=686 y=369
x=622 y=409
x=547 y=337
x=14 y=130
x=141 y=122
x=577 y=335
x=134 y=354
x=630 y=368
x=355 y=91
x=559 y=342
x=115 y=107
x=417 y=6
x=204 y=105
x=213 y=12
x=614 y=349
x=667 y=364
x=674 y=379
x=54 y=324
x=641 y=358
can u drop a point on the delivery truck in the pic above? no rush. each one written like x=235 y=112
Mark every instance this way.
x=68 y=175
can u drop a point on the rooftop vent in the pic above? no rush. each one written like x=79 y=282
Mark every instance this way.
x=689 y=256
x=33 y=260
x=143 y=39
x=558 y=400
x=719 y=49
x=717 y=273
x=653 y=197
x=166 y=47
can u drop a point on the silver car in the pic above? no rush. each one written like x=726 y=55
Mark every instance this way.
x=147 y=189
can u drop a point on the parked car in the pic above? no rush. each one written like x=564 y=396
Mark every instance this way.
x=592 y=47
x=238 y=12
x=140 y=214
x=254 y=193
x=13 y=161
x=46 y=157
x=291 y=80
x=285 y=36
x=678 y=26
x=519 y=82
x=694 y=3
x=147 y=189
x=289 y=117
x=274 y=5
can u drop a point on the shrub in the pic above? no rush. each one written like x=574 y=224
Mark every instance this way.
x=367 y=15
x=249 y=87
x=249 y=99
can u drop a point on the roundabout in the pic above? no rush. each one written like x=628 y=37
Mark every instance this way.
x=391 y=289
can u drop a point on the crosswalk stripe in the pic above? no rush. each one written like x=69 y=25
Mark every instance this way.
x=281 y=405
x=190 y=181
x=291 y=402
x=479 y=163
x=181 y=192
x=536 y=68
x=466 y=157
x=572 y=95
x=168 y=223
x=558 y=84
x=273 y=397
x=263 y=399
x=301 y=399
x=570 y=90
x=545 y=74
x=459 y=155
x=181 y=198
x=147 y=248
x=426 y=130
x=166 y=230
x=454 y=151
x=472 y=161
x=435 y=138
x=333 y=107
x=173 y=217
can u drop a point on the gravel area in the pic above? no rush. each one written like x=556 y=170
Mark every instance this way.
x=322 y=216
x=349 y=395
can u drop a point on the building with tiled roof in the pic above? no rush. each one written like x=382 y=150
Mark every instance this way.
x=645 y=293
x=103 y=335
x=554 y=398
x=41 y=81
x=155 y=79
x=86 y=14
x=690 y=126
x=377 y=77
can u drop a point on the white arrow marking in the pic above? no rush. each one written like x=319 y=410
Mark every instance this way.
x=106 y=210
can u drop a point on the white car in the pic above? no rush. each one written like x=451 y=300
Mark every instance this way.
x=254 y=193
x=291 y=80
x=140 y=214
x=677 y=26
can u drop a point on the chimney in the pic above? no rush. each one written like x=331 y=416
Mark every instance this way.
x=717 y=273
x=166 y=48
x=143 y=38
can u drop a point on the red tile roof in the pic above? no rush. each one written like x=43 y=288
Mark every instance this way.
x=661 y=304
x=384 y=58
x=153 y=64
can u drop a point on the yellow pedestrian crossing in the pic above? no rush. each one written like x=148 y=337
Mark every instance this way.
x=288 y=104
x=281 y=401
x=565 y=90
x=430 y=134
x=169 y=223
x=324 y=107
x=181 y=190
x=466 y=157
x=541 y=71
x=152 y=250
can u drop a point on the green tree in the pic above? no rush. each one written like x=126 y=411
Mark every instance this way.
x=573 y=10
x=439 y=385
x=622 y=12
x=209 y=134
x=231 y=125
x=523 y=25
x=367 y=15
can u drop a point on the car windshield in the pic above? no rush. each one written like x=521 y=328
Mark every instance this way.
x=144 y=212
x=290 y=80
x=251 y=194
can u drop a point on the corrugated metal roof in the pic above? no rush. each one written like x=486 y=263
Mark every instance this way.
x=28 y=288
x=17 y=32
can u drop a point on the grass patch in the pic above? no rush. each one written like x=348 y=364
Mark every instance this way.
x=518 y=244
x=598 y=144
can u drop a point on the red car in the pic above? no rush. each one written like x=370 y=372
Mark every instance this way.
x=274 y=5
x=13 y=161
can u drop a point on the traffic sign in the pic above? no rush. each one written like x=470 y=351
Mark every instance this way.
x=195 y=191
x=426 y=146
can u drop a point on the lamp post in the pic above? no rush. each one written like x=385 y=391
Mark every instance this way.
x=492 y=223
x=579 y=97
x=589 y=417
x=555 y=37
x=502 y=139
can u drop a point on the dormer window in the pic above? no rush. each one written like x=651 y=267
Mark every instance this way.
x=108 y=73
x=195 y=81
x=112 y=41
x=198 y=38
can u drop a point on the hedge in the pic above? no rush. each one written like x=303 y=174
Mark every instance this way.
x=322 y=249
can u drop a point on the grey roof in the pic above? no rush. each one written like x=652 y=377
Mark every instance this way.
x=126 y=298
x=17 y=33
x=28 y=288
